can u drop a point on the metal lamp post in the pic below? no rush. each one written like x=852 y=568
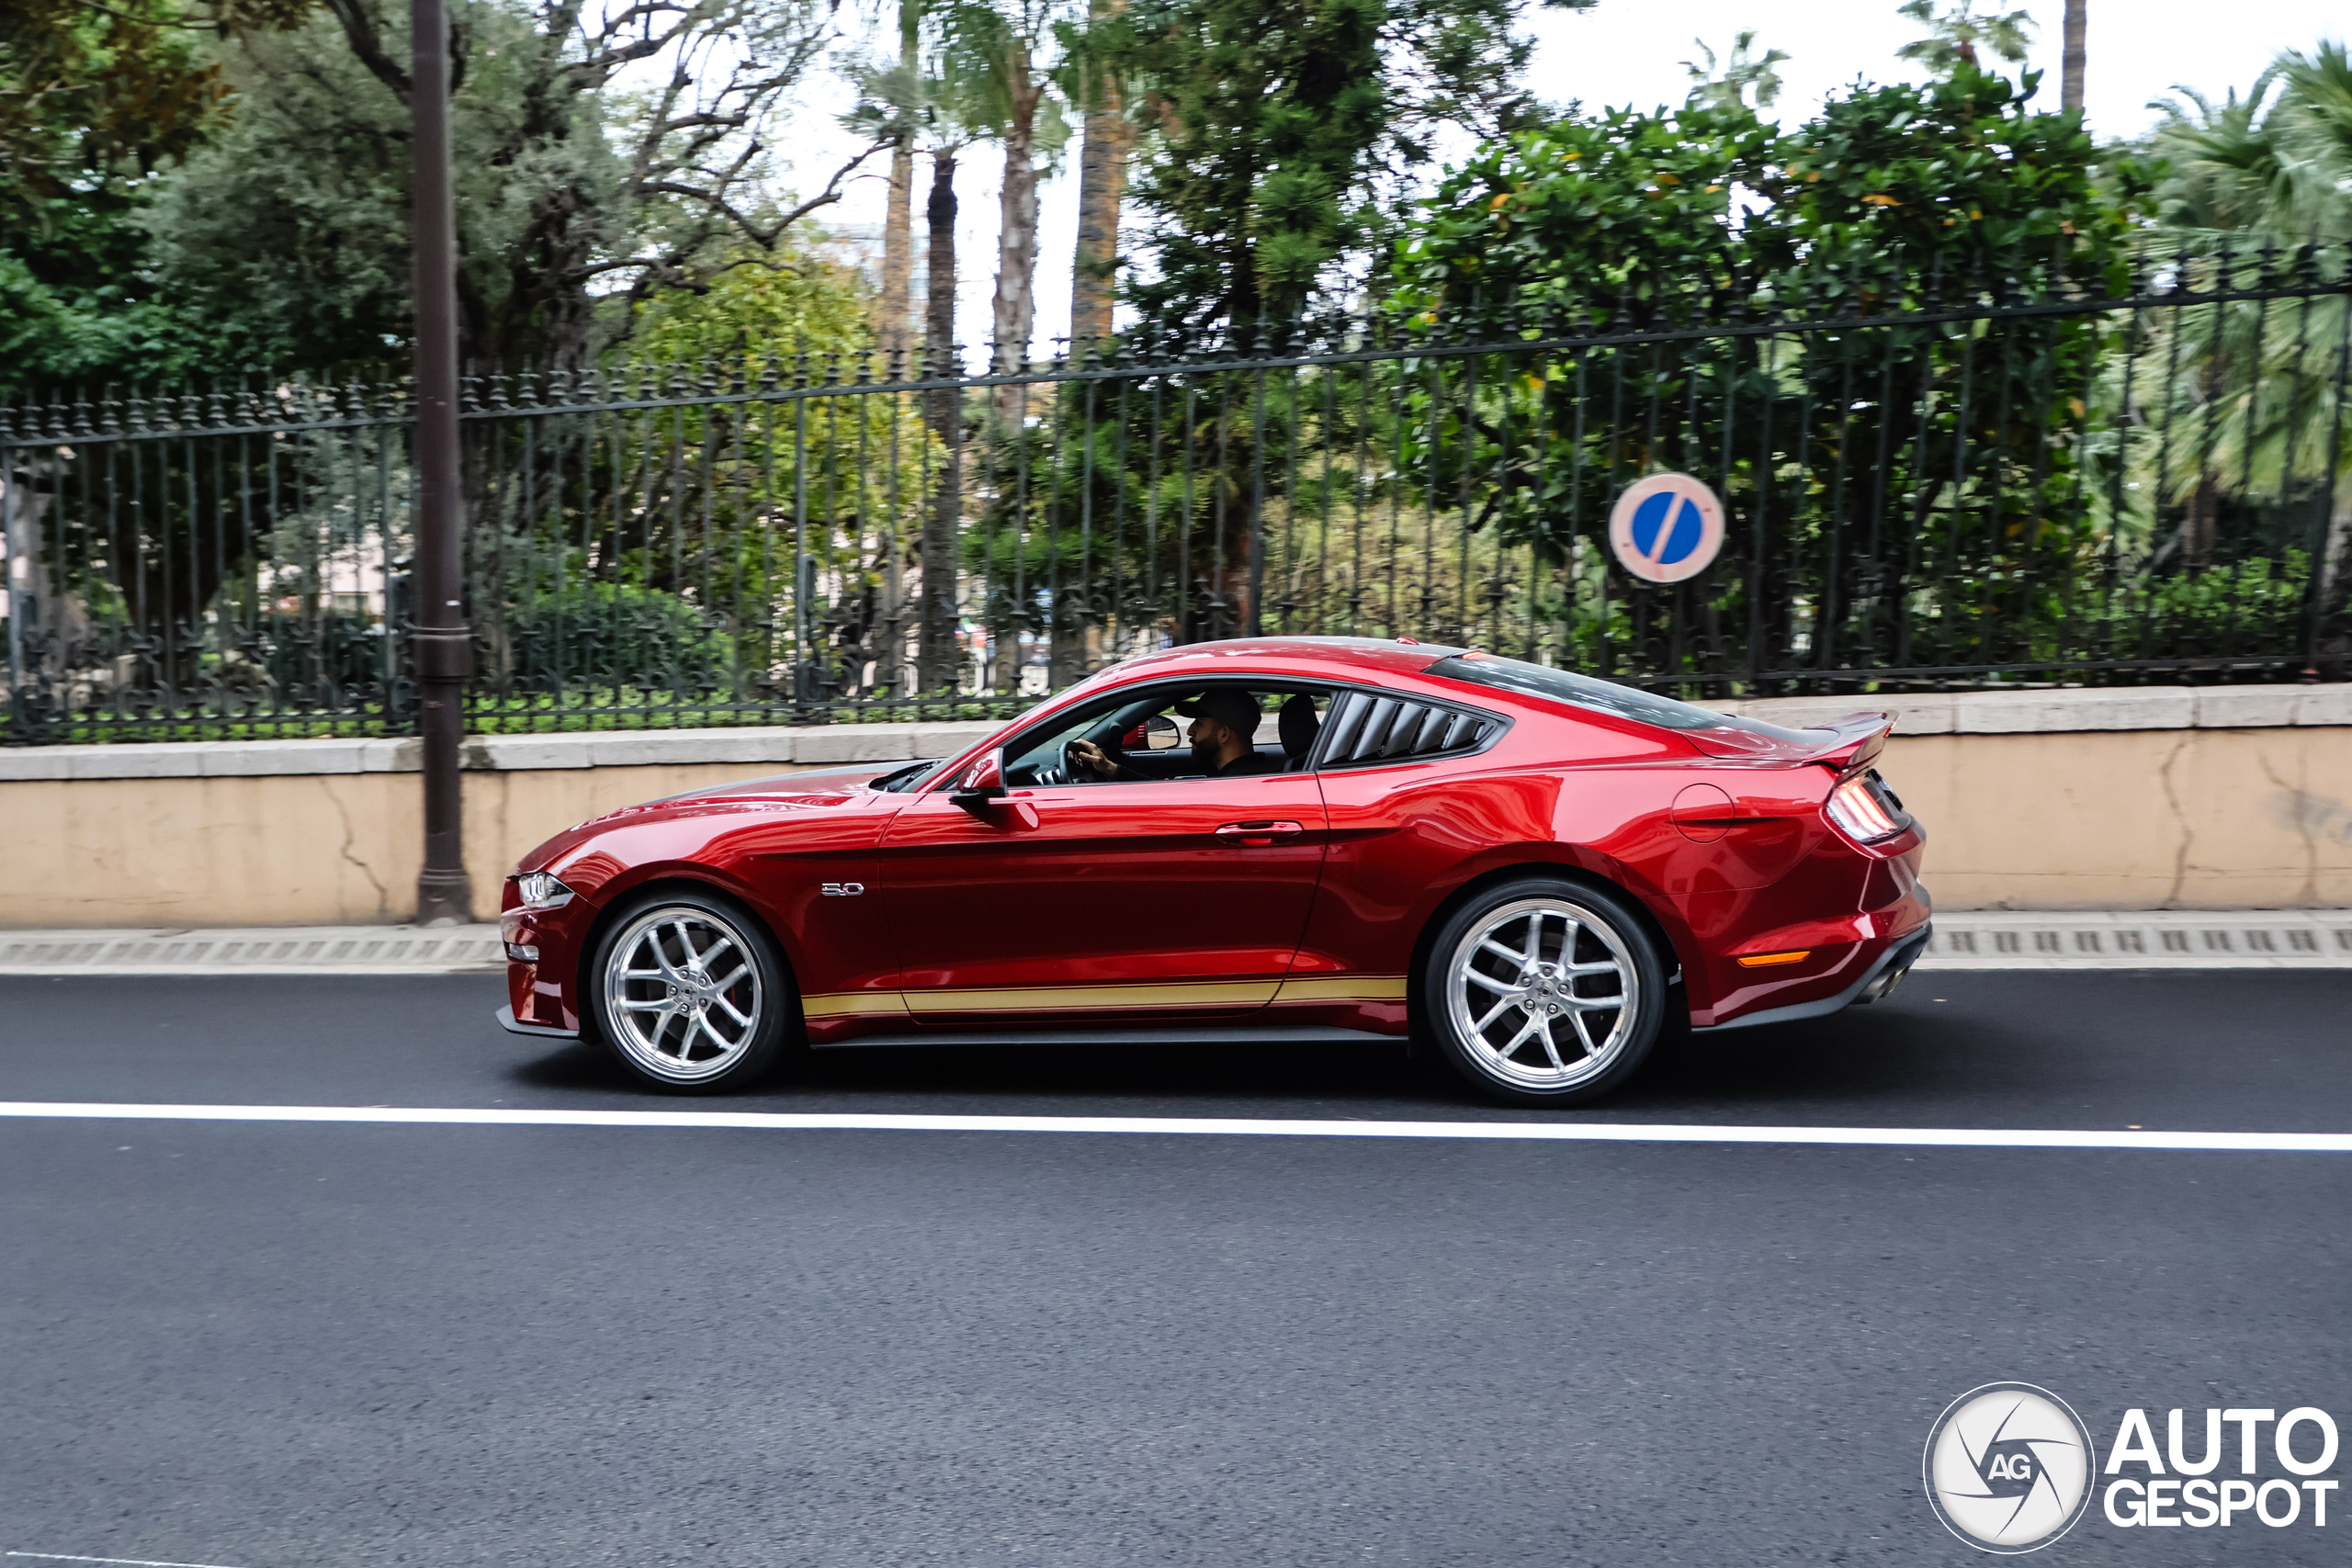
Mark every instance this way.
x=440 y=649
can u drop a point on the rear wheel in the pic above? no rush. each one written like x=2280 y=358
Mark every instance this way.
x=1546 y=992
x=689 y=994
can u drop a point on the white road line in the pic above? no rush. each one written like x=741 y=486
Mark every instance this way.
x=134 y=1562
x=1212 y=1126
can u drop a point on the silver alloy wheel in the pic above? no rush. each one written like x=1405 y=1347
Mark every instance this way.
x=682 y=994
x=1543 y=992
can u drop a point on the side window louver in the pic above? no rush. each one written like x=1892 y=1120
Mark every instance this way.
x=1379 y=729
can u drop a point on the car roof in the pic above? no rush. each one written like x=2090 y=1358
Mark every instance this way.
x=1334 y=656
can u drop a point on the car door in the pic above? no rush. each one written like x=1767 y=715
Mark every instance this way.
x=1130 y=903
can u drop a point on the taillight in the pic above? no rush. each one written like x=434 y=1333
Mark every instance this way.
x=1863 y=809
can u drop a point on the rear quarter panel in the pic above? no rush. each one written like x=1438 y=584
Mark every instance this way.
x=1406 y=837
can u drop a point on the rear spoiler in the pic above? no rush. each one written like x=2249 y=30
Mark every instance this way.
x=1856 y=741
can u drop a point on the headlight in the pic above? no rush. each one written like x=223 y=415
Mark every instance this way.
x=540 y=890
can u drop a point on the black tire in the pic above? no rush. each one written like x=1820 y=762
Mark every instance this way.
x=691 y=1030
x=1544 y=1041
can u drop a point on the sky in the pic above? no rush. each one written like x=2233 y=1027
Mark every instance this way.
x=1630 y=53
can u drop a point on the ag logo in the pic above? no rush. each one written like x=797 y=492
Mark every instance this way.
x=1667 y=527
x=2008 y=1467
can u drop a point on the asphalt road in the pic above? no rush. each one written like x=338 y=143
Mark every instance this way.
x=277 y=1345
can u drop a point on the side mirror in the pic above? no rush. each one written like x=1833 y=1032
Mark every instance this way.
x=1160 y=733
x=981 y=782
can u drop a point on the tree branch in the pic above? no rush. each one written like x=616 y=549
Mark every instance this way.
x=359 y=26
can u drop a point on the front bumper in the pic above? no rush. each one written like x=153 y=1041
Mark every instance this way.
x=512 y=1025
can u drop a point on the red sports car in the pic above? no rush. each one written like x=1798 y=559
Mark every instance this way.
x=1285 y=838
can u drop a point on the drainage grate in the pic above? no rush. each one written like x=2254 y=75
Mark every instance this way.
x=2202 y=939
x=327 y=950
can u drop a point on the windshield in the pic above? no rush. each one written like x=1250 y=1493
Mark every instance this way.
x=1586 y=691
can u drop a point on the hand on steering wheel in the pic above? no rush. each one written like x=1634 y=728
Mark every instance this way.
x=1086 y=762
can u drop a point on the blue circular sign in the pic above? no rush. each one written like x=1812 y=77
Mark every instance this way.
x=1667 y=528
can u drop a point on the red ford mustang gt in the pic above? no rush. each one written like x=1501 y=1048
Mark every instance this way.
x=1362 y=839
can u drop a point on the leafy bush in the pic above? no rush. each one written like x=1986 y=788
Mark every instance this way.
x=614 y=634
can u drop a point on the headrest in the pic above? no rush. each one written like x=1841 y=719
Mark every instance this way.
x=1298 y=725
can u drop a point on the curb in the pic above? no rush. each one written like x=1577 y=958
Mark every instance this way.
x=1964 y=939
x=2155 y=939
x=283 y=949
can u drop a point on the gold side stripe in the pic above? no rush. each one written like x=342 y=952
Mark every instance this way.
x=1345 y=988
x=1058 y=998
x=853 y=1004
x=1149 y=994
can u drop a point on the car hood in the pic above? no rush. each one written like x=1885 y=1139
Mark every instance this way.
x=811 y=786
x=817 y=790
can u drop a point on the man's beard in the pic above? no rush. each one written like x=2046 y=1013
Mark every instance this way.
x=1204 y=753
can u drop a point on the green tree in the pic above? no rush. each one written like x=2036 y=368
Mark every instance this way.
x=733 y=510
x=2224 y=167
x=577 y=199
x=1743 y=73
x=941 y=102
x=1090 y=80
x=998 y=48
x=1893 y=197
x=1959 y=38
x=2244 y=183
x=1276 y=140
x=95 y=104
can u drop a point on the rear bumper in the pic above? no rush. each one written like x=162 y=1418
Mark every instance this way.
x=1879 y=979
x=512 y=1025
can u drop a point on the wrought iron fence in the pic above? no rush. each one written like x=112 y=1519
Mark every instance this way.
x=1928 y=482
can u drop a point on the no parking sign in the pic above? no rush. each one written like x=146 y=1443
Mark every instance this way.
x=1667 y=527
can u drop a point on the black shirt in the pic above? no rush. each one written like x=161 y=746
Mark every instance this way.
x=1248 y=764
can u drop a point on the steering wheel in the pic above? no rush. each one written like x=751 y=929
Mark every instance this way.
x=1072 y=770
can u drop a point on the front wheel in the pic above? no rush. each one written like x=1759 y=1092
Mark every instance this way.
x=1546 y=992
x=689 y=994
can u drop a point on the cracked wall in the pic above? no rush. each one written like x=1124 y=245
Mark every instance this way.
x=2125 y=819
x=311 y=849
x=2132 y=819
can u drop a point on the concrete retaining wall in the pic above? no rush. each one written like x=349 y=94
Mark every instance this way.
x=2141 y=799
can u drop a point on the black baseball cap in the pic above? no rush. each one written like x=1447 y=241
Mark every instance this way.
x=1236 y=709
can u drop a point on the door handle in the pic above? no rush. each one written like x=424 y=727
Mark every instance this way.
x=1256 y=835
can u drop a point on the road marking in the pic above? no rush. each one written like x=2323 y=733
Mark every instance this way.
x=1209 y=1127
x=134 y=1562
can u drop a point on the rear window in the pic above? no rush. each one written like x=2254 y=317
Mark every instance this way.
x=1584 y=691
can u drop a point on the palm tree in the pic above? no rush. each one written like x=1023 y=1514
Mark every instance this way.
x=2225 y=169
x=2070 y=69
x=2315 y=125
x=893 y=98
x=1742 y=73
x=1093 y=82
x=996 y=47
x=1954 y=37
x=935 y=107
x=2253 y=178
x=897 y=248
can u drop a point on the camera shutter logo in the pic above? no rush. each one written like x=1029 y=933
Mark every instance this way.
x=2008 y=1467
x=1667 y=528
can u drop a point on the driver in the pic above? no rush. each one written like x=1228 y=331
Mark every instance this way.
x=1224 y=734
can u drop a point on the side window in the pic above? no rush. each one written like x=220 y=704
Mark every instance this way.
x=1224 y=729
x=1367 y=729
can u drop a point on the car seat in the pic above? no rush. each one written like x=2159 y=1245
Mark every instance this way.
x=1298 y=727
